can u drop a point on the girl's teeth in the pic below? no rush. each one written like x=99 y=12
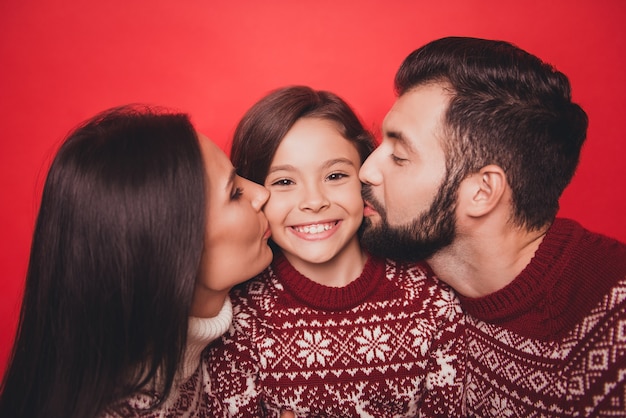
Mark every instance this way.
x=314 y=229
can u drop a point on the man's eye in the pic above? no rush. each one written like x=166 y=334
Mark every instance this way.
x=398 y=160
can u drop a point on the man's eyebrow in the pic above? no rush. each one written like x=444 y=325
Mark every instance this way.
x=400 y=138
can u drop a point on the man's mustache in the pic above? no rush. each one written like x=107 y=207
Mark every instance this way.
x=368 y=196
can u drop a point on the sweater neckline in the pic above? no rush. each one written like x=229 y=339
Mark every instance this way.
x=566 y=271
x=329 y=298
x=536 y=278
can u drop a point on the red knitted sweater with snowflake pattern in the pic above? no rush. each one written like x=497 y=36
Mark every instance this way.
x=553 y=342
x=388 y=344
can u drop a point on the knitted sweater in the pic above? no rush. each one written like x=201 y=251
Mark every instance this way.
x=188 y=396
x=553 y=342
x=389 y=344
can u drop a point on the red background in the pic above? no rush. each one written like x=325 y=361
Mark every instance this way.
x=62 y=61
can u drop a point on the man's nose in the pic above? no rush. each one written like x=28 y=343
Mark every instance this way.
x=369 y=173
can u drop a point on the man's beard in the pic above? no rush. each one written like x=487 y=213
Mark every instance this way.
x=419 y=239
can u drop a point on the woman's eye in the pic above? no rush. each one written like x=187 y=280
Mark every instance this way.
x=236 y=193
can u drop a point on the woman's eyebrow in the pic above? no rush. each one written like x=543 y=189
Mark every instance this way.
x=231 y=179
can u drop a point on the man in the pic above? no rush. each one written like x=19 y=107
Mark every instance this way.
x=476 y=152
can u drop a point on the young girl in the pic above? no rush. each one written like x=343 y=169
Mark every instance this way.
x=328 y=330
x=142 y=230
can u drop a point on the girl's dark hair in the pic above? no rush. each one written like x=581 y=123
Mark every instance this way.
x=509 y=108
x=265 y=124
x=113 y=263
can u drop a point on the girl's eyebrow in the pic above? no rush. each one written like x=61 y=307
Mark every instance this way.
x=334 y=161
x=326 y=165
x=285 y=167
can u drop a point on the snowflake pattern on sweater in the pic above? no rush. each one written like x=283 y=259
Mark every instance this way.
x=553 y=342
x=390 y=344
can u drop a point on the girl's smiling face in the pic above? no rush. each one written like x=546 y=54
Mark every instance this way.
x=315 y=207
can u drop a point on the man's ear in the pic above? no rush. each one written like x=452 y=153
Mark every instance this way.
x=482 y=192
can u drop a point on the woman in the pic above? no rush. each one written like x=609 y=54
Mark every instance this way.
x=142 y=230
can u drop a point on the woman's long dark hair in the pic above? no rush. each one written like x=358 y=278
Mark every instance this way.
x=113 y=262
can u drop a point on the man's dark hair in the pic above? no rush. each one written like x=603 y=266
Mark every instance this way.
x=508 y=108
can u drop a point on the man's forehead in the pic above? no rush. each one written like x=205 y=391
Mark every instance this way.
x=395 y=116
x=419 y=111
x=404 y=113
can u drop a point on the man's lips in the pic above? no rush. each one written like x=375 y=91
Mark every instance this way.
x=368 y=210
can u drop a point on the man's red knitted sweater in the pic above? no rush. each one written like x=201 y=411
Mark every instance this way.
x=553 y=342
x=388 y=344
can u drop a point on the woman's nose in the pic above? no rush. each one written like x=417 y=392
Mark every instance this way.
x=259 y=194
